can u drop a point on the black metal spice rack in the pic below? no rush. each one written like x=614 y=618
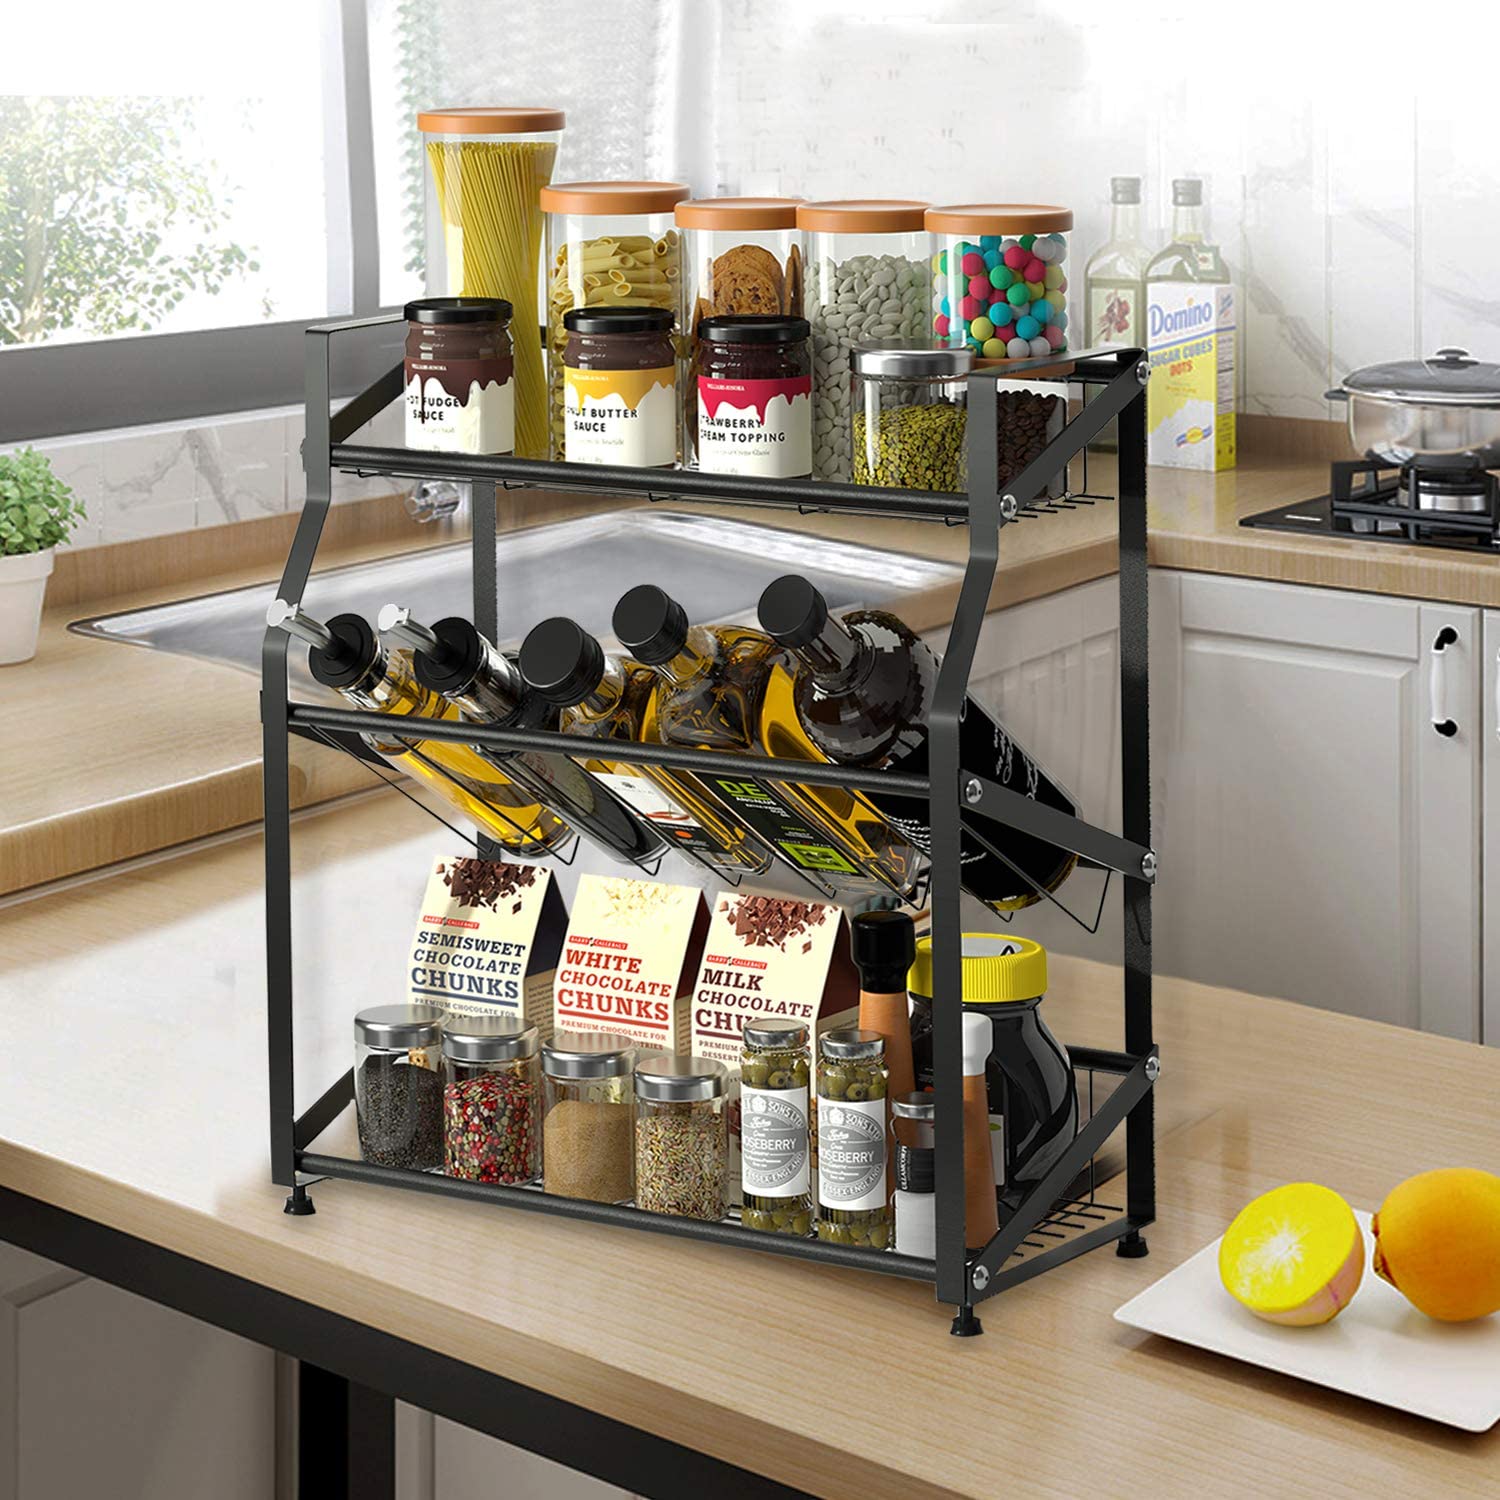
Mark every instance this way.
x=1057 y=1220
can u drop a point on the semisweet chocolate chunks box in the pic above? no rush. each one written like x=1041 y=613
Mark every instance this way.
x=628 y=960
x=487 y=940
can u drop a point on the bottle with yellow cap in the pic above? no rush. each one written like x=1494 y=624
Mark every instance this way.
x=1033 y=1100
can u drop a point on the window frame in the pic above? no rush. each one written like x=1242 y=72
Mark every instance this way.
x=55 y=390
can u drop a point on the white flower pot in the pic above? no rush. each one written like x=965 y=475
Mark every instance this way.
x=23 y=585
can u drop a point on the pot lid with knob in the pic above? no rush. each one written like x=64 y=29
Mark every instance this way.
x=1449 y=377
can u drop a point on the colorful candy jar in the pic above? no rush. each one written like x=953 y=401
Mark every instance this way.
x=1000 y=278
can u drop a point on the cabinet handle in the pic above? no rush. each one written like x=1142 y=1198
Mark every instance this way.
x=1438 y=679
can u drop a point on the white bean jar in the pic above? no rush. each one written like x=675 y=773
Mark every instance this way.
x=867 y=283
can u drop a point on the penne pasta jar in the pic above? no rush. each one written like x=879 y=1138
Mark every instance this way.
x=609 y=244
x=485 y=169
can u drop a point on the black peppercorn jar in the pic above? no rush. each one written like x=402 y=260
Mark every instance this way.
x=398 y=1092
x=1033 y=1099
x=620 y=387
x=753 y=379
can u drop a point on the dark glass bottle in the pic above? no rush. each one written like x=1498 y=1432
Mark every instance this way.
x=862 y=692
x=454 y=660
x=598 y=699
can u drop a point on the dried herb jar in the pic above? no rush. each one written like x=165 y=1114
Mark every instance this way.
x=853 y=1204
x=681 y=1136
x=588 y=1149
x=908 y=416
x=775 y=1169
x=492 y=1100
x=398 y=1093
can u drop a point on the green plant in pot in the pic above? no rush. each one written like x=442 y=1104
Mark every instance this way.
x=37 y=511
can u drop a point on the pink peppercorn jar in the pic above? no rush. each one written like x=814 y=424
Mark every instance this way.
x=492 y=1100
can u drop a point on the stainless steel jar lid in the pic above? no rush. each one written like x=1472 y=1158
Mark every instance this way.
x=399 y=1026
x=1451 y=376
x=587 y=1054
x=778 y=1035
x=913 y=360
x=850 y=1042
x=489 y=1038
x=663 y=1078
x=917 y=1106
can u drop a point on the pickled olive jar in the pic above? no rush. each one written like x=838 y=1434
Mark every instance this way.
x=908 y=417
x=460 y=386
x=681 y=1136
x=775 y=1171
x=588 y=1148
x=619 y=387
x=999 y=278
x=492 y=1100
x=853 y=1207
x=398 y=1093
x=753 y=383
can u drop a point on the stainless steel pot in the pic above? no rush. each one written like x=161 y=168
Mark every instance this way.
x=1446 y=407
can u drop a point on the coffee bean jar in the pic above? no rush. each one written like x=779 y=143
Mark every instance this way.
x=681 y=1136
x=398 y=1093
x=908 y=417
x=492 y=1100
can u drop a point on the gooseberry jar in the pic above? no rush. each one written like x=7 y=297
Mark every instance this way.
x=775 y=1171
x=1000 y=278
x=609 y=244
x=866 y=282
x=492 y=1100
x=908 y=417
x=853 y=1196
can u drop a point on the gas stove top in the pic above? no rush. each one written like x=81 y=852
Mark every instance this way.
x=1431 y=504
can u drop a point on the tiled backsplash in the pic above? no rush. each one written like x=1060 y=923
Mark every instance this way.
x=154 y=481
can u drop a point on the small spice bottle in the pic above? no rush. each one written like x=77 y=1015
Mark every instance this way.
x=460 y=369
x=754 y=396
x=775 y=1170
x=681 y=1136
x=398 y=1095
x=620 y=387
x=587 y=1146
x=492 y=1096
x=853 y=1207
x=913 y=1117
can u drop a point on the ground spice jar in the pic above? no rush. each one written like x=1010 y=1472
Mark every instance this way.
x=681 y=1136
x=492 y=1098
x=588 y=1150
x=460 y=375
x=398 y=1095
x=853 y=1205
x=775 y=1169
x=908 y=417
x=619 y=387
x=753 y=379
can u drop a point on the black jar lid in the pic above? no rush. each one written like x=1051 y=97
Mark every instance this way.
x=618 y=320
x=446 y=310
x=562 y=661
x=745 y=329
x=650 y=624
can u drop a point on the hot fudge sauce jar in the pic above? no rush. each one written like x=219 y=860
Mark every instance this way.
x=460 y=375
x=753 y=379
x=620 y=387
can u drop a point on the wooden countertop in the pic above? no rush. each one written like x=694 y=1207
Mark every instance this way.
x=108 y=753
x=838 y=1382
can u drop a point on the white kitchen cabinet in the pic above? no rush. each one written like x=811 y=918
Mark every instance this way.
x=1488 y=731
x=1323 y=838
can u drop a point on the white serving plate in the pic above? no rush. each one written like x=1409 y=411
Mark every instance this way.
x=1380 y=1347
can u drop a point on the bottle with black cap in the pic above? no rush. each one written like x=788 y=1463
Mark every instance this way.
x=455 y=661
x=344 y=654
x=861 y=693
x=597 y=699
x=712 y=688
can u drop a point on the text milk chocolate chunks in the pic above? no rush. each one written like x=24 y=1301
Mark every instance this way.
x=631 y=950
x=487 y=940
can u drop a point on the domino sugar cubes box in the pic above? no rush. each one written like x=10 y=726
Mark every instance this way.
x=1191 y=338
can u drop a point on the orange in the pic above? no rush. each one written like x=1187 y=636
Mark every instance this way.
x=1437 y=1241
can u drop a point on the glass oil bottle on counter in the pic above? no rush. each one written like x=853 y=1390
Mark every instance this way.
x=1115 y=278
x=596 y=699
x=716 y=696
x=345 y=655
x=454 y=660
x=861 y=695
x=1188 y=256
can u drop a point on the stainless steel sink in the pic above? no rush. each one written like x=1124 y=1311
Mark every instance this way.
x=716 y=568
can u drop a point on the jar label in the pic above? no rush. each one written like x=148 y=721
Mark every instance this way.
x=851 y=1153
x=652 y=805
x=1115 y=315
x=460 y=405
x=624 y=417
x=773 y=1142
x=756 y=427
x=787 y=831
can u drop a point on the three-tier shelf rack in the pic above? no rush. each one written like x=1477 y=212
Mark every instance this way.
x=1057 y=1220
